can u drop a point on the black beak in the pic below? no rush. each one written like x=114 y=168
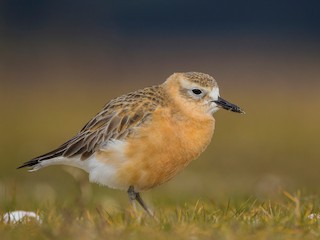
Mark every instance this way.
x=228 y=106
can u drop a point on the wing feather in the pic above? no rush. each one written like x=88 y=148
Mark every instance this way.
x=119 y=119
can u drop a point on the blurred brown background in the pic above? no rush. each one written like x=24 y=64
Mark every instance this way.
x=61 y=61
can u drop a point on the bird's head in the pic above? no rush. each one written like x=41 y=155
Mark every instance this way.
x=197 y=92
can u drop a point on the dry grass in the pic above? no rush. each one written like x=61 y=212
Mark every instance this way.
x=286 y=218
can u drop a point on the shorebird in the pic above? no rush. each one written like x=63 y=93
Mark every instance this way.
x=144 y=138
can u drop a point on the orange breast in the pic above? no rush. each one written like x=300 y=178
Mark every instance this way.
x=163 y=148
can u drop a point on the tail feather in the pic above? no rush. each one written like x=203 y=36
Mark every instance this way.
x=35 y=163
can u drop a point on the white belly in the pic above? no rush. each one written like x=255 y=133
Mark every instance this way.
x=101 y=170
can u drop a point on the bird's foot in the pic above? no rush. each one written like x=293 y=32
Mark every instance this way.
x=135 y=196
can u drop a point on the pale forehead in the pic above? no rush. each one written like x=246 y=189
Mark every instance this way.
x=201 y=79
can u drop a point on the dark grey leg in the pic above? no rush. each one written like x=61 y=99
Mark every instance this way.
x=136 y=196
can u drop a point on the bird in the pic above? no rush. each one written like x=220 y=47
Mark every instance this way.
x=142 y=139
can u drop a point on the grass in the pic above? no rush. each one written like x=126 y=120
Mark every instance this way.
x=243 y=218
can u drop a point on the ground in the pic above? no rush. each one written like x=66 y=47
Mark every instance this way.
x=291 y=216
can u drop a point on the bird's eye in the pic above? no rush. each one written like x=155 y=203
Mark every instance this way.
x=196 y=91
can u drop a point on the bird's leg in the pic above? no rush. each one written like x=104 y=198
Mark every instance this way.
x=132 y=198
x=136 y=196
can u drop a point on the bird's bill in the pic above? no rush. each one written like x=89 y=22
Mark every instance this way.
x=228 y=106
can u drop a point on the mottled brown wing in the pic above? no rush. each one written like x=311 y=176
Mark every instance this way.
x=115 y=124
x=118 y=119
